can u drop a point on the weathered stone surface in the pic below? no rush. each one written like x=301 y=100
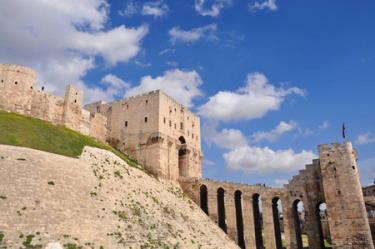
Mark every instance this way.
x=97 y=199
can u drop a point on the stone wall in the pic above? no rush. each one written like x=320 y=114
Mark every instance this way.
x=95 y=201
x=18 y=94
x=369 y=196
x=157 y=131
x=239 y=219
x=332 y=180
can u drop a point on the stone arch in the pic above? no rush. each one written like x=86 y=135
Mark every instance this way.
x=203 y=198
x=258 y=221
x=323 y=229
x=183 y=157
x=239 y=219
x=298 y=213
x=221 y=209
x=276 y=212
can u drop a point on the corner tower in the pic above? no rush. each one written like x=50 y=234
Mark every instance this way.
x=16 y=84
x=347 y=216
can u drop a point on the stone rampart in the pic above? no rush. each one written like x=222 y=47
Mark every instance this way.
x=18 y=94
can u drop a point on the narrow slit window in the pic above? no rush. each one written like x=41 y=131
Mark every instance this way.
x=146 y=119
x=126 y=123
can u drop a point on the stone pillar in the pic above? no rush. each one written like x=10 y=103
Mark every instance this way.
x=312 y=225
x=289 y=228
x=212 y=204
x=286 y=221
x=230 y=215
x=248 y=221
x=268 y=226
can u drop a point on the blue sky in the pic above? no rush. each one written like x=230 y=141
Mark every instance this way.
x=271 y=79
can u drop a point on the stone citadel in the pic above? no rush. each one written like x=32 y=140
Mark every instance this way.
x=165 y=137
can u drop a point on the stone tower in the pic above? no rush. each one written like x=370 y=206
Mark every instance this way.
x=347 y=216
x=16 y=83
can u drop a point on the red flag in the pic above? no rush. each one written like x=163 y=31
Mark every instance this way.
x=343 y=130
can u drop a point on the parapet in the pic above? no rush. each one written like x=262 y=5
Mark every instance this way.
x=335 y=147
x=18 y=69
x=17 y=77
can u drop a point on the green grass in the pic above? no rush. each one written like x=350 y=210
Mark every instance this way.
x=19 y=130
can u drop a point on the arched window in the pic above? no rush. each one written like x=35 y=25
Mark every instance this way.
x=324 y=233
x=221 y=209
x=239 y=219
x=203 y=199
x=277 y=212
x=258 y=221
x=299 y=219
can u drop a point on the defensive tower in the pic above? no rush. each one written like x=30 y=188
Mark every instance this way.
x=348 y=221
x=159 y=132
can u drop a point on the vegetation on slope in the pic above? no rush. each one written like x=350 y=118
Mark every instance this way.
x=38 y=134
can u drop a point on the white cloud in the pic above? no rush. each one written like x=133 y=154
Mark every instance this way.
x=153 y=8
x=366 y=138
x=266 y=4
x=166 y=51
x=115 y=82
x=190 y=36
x=324 y=125
x=252 y=101
x=226 y=138
x=215 y=8
x=117 y=45
x=172 y=64
x=265 y=160
x=130 y=10
x=61 y=39
x=156 y=9
x=276 y=133
x=183 y=86
x=142 y=64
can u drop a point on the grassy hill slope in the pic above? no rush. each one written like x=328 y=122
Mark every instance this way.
x=19 y=130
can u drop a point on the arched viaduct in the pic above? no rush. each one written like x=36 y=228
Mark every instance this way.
x=259 y=217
